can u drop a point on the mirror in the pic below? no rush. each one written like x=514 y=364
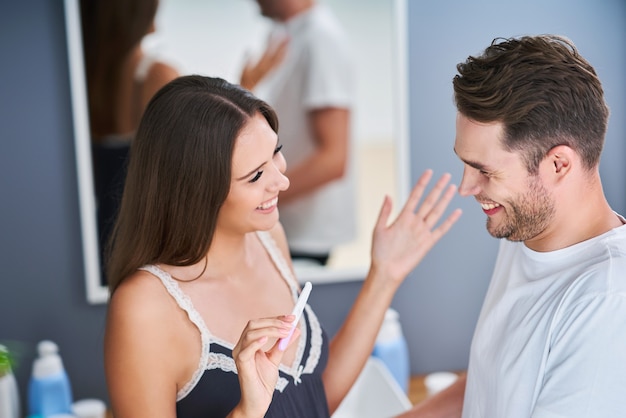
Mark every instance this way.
x=96 y=292
x=212 y=37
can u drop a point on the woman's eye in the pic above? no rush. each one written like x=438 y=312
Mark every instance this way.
x=278 y=148
x=256 y=176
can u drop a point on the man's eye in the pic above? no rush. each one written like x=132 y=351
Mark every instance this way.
x=256 y=176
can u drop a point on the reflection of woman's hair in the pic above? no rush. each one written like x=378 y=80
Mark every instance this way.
x=179 y=173
x=111 y=29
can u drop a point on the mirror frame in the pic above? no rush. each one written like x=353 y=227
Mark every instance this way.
x=96 y=292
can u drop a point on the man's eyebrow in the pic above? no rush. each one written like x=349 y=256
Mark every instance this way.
x=474 y=164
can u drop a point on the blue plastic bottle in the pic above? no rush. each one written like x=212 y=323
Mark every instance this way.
x=49 y=390
x=392 y=349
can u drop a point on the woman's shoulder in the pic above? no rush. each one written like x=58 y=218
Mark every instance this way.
x=140 y=296
x=143 y=327
x=141 y=305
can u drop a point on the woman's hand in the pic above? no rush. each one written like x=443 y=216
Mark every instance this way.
x=258 y=369
x=397 y=248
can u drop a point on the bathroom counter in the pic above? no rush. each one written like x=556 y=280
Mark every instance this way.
x=417 y=391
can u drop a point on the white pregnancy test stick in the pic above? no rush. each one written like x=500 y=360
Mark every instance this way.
x=297 y=311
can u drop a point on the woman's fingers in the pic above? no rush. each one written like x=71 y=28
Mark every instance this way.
x=433 y=203
x=257 y=369
x=417 y=192
x=445 y=226
x=257 y=332
x=383 y=215
x=434 y=213
x=433 y=206
x=276 y=354
x=430 y=210
x=400 y=246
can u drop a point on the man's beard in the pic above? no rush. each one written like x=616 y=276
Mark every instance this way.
x=526 y=216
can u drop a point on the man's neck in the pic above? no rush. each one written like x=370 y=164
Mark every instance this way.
x=585 y=214
x=296 y=8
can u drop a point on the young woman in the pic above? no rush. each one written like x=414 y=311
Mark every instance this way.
x=200 y=276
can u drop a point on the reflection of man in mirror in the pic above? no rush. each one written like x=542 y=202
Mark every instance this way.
x=121 y=79
x=312 y=90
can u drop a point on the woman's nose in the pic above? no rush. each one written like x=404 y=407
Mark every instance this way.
x=281 y=163
x=281 y=181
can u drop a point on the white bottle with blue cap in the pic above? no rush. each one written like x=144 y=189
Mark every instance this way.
x=391 y=347
x=49 y=390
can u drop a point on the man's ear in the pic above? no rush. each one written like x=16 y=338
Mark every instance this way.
x=560 y=160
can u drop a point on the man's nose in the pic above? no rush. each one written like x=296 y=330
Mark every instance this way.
x=470 y=182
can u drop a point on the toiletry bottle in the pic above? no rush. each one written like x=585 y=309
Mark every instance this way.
x=9 y=397
x=49 y=390
x=391 y=347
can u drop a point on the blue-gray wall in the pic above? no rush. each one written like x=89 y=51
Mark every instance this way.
x=42 y=293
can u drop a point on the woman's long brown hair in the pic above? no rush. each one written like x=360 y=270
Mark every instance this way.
x=179 y=173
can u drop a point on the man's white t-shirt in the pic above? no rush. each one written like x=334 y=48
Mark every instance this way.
x=317 y=72
x=551 y=337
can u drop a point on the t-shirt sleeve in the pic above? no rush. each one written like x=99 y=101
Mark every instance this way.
x=330 y=79
x=585 y=371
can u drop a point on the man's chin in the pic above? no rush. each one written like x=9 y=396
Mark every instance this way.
x=499 y=233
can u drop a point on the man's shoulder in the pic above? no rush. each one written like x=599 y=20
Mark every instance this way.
x=615 y=243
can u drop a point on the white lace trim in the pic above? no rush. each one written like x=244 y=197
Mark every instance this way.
x=185 y=303
x=281 y=384
x=210 y=360
x=227 y=364
x=316 y=342
x=279 y=261
x=315 y=351
x=220 y=361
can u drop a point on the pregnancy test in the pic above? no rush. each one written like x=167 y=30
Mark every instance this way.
x=297 y=311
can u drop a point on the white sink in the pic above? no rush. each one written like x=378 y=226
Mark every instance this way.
x=375 y=394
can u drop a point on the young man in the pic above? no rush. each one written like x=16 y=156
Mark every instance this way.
x=313 y=91
x=551 y=337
